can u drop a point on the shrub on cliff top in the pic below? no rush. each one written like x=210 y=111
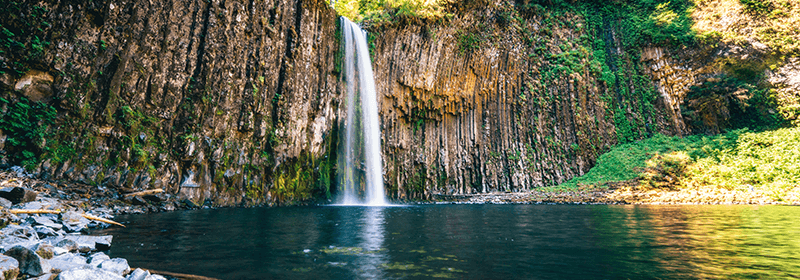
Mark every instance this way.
x=381 y=12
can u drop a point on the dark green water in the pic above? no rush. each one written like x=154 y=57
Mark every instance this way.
x=468 y=242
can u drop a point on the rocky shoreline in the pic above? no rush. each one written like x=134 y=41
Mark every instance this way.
x=45 y=223
x=623 y=193
x=45 y=228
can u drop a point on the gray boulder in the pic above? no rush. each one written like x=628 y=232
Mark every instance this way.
x=156 y=277
x=117 y=265
x=69 y=261
x=21 y=231
x=72 y=258
x=29 y=262
x=59 y=251
x=43 y=249
x=138 y=274
x=97 y=258
x=73 y=221
x=68 y=245
x=88 y=274
x=7 y=242
x=100 y=243
x=18 y=194
x=46 y=276
x=45 y=221
x=44 y=231
x=5 y=203
x=9 y=267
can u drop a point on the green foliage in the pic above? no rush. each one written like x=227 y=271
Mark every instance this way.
x=26 y=124
x=386 y=12
x=762 y=160
x=625 y=161
x=22 y=38
x=758 y=7
x=737 y=160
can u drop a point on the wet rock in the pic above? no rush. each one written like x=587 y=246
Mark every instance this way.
x=20 y=231
x=9 y=267
x=44 y=250
x=154 y=197
x=5 y=203
x=47 y=221
x=29 y=262
x=138 y=274
x=69 y=261
x=138 y=201
x=71 y=258
x=18 y=194
x=35 y=85
x=88 y=274
x=156 y=277
x=59 y=251
x=43 y=203
x=73 y=221
x=46 y=276
x=190 y=204
x=67 y=244
x=45 y=231
x=100 y=243
x=117 y=265
x=97 y=258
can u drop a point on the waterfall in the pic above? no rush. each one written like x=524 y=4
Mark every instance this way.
x=358 y=76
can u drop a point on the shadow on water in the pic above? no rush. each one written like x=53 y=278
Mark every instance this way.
x=467 y=241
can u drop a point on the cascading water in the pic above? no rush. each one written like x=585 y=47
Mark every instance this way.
x=358 y=76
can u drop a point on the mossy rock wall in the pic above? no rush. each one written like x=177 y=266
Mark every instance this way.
x=210 y=100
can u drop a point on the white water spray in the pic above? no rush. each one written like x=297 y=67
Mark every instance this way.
x=357 y=61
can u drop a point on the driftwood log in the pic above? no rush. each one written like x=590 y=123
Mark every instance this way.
x=145 y=192
x=46 y=211
x=180 y=275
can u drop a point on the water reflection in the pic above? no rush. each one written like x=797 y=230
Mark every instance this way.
x=369 y=265
x=473 y=242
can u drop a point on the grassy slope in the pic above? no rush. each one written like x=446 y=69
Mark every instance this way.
x=739 y=160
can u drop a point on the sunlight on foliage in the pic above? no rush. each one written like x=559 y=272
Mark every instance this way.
x=379 y=12
x=743 y=160
x=663 y=15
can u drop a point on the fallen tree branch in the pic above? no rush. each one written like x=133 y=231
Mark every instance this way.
x=107 y=221
x=46 y=211
x=145 y=192
x=180 y=275
x=33 y=211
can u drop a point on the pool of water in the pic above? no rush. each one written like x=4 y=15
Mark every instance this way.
x=468 y=242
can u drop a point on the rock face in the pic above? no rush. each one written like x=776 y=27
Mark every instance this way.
x=466 y=110
x=206 y=99
x=236 y=102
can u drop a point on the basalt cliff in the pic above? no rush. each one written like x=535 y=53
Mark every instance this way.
x=240 y=103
